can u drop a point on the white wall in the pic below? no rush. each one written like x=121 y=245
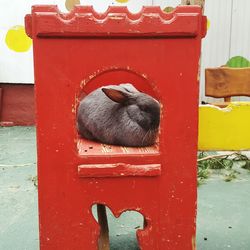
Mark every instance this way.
x=15 y=67
x=228 y=35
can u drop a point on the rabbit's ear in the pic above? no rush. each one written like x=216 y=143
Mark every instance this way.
x=129 y=87
x=116 y=95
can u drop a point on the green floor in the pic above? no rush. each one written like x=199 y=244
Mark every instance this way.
x=223 y=207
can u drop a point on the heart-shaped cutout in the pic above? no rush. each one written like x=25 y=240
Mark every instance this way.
x=117 y=233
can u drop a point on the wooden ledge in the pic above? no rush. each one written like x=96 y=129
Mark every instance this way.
x=90 y=148
x=118 y=170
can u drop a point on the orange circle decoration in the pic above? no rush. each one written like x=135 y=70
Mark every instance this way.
x=17 y=40
x=122 y=1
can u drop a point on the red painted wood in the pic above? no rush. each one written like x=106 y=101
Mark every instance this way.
x=66 y=69
x=118 y=170
x=17 y=105
x=91 y=148
x=116 y=21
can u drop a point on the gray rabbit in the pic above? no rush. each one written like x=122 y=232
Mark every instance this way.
x=119 y=115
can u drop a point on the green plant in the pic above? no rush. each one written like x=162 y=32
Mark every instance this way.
x=206 y=163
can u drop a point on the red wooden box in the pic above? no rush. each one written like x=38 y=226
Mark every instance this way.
x=74 y=54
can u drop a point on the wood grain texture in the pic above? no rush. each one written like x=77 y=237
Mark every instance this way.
x=226 y=82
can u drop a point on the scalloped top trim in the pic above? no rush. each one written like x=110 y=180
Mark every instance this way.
x=115 y=10
x=47 y=20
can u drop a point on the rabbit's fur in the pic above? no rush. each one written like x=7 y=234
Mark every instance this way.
x=119 y=115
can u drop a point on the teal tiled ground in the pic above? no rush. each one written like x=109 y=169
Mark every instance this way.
x=223 y=208
x=18 y=195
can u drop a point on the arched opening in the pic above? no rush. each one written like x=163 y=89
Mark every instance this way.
x=118 y=76
x=115 y=76
x=118 y=233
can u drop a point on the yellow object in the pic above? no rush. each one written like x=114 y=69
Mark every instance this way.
x=122 y=1
x=69 y=4
x=17 y=40
x=208 y=23
x=224 y=128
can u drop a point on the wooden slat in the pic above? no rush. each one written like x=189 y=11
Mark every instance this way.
x=103 y=242
x=118 y=170
x=88 y=148
x=227 y=99
x=226 y=82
